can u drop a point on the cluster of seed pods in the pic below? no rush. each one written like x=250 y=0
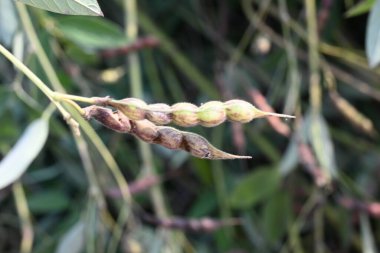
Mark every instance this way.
x=209 y=114
x=195 y=225
x=165 y=136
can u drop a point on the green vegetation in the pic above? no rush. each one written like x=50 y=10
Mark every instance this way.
x=69 y=184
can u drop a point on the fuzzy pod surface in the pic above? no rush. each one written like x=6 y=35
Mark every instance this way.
x=184 y=114
x=168 y=137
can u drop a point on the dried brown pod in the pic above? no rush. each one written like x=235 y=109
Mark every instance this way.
x=198 y=146
x=113 y=120
x=194 y=225
x=168 y=137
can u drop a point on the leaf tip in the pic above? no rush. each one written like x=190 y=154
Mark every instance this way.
x=372 y=63
x=100 y=13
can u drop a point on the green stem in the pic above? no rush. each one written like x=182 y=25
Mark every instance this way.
x=220 y=189
x=315 y=88
x=131 y=31
x=48 y=112
x=35 y=79
x=62 y=96
x=24 y=214
x=90 y=171
x=40 y=53
x=24 y=69
x=135 y=80
x=157 y=197
x=94 y=189
x=318 y=231
x=294 y=81
x=105 y=154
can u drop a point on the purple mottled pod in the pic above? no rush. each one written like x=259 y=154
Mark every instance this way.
x=133 y=108
x=185 y=114
x=197 y=145
x=212 y=114
x=160 y=114
x=113 y=120
x=239 y=111
x=169 y=137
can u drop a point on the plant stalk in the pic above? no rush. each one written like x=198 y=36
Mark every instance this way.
x=40 y=53
x=312 y=38
x=136 y=83
x=25 y=218
x=24 y=69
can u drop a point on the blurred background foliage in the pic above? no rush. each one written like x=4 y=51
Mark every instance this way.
x=313 y=182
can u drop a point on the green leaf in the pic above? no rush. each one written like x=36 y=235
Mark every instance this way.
x=80 y=55
x=91 y=32
x=24 y=152
x=48 y=201
x=368 y=241
x=73 y=239
x=68 y=7
x=372 y=41
x=8 y=22
x=255 y=187
x=360 y=8
x=276 y=216
x=203 y=205
x=323 y=147
x=289 y=160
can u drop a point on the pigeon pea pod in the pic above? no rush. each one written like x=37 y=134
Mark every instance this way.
x=210 y=114
x=168 y=137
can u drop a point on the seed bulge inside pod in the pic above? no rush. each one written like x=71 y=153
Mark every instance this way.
x=145 y=130
x=212 y=114
x=133 y=108
x=185 y=114
x=160 y=114
x=239 y=111
x=113 y=120
x=197 y=145
x=169 y=137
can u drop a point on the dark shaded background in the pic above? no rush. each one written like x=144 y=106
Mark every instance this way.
x=312 y=185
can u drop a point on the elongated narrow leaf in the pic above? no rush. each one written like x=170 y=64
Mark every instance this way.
x=318 y=136
x=360 y=8
x=276 y=215
x=69 y=7
x=372 y=40
x=24 y=152
x=290 y=158
x=91 y=32
x=255 y=187
x=368 y=241
x=73 y=240
x=48 y=201
x=8 y=22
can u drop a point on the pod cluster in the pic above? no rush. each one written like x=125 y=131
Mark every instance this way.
x=147 y=131
x=209 y=114
x=196 y=225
